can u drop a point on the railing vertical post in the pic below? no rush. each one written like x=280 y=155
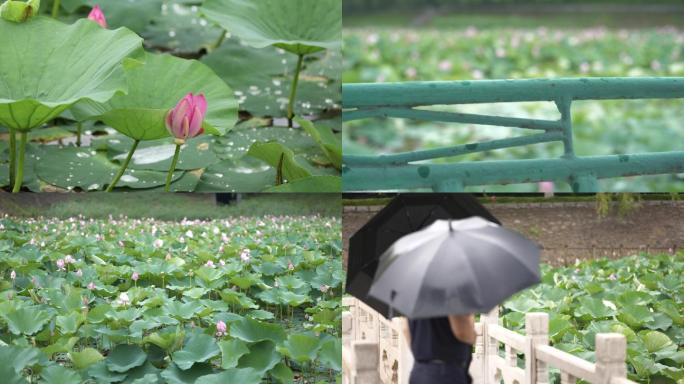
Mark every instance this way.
x=564 y=105
x=366 y=359
x=491 y=346
x=537 y=331
x=611 y=351
x=404 y=355
x=347 y=328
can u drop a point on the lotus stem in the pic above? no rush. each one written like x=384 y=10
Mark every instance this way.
x=123 y=166
x=173 y=166
x=55 y=8
x=219 y=41
x=20 y=165
x=293 y=91
x=79 y=129
x=12 y=155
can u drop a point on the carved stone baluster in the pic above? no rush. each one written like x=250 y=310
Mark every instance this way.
x=611 y=350
x=537 y=330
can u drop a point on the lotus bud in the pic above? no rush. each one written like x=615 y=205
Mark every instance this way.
x=220 y=328
x=91 y=286
x=60 y=264
x=135 y=276
x=184 y=121
x=69 y=259
x=98 y=16
x=13 y=275
x=19 y=11
x=79 y=273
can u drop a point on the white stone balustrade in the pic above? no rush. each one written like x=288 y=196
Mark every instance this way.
x=376 y=352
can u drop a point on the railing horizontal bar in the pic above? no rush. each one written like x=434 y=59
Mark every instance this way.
x=454 y=117
x=406 y=157
x=410 y=94
x=621 y=380
x=410 y=176
x=506 y=336
x=566 y=362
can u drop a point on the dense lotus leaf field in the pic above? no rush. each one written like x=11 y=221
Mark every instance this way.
x=189 y=47
x=460 y=52
x=240 y=300
x=641 y=297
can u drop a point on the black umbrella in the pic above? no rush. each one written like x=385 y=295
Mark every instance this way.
x=405 y=214
x=455 y=267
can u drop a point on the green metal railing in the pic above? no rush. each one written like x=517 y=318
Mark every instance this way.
x=401 y=100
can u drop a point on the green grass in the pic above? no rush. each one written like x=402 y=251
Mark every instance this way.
x=166 y=206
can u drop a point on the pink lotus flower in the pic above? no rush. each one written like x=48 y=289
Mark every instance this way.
x=13 y=275
x=324 y=288
x=245 y=255
x=220 y=328
x=158 y=243
x=290 y=266
x=79 y=273
x=135 y=276
x=91 y=286
x=184 y=121
x=60 y=264
x=69 y=259
x=98 y=16
x=210 y=264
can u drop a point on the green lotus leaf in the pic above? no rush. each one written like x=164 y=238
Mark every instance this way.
x=174 y=375
x=10 y=376
x=144 y=374
x=154 y=87
x=302 y=347
x=58 y=66
x=183 y=310
x=19 y=358
x=100 y=372
x=19 y=11
x=330 y=144
x=330 y=353
x=199 y=348
x=166 y=340
x=233 y=375
x=85 y=358
x=280 y=157
x=69 y=324
x=282 y=373
x=26 y=320
x=251 y=331
x=655 y=341
x=262 y=357
x=231 y=351
x=125 y=357
x=297 y=26
x=56 y=374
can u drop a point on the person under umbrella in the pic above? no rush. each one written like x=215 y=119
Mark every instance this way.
x=440 y=276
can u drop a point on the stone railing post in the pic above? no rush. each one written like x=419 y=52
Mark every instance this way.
x=490 y=346
x=537 y=332
x=347 y=328
x=404 y=355
x=365 y=362
x=611 y=351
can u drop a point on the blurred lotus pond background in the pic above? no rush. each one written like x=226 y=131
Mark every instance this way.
x=408 y=40
x=68 y=155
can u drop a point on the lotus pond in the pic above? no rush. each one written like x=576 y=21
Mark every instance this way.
x=85 y=107
x=641 y=297
x=455 y=49
x=240 y=300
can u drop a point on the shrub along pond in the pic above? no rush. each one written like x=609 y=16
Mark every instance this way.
x=240 y=300
x=254 y=90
